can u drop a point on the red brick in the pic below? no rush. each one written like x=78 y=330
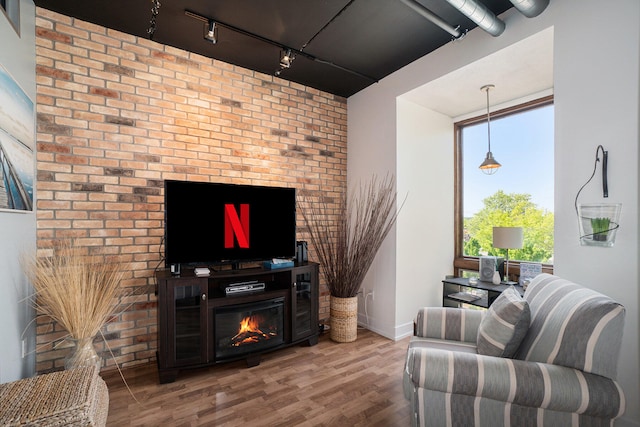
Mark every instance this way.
x=109 y=102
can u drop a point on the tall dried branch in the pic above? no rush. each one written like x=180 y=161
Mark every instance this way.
x=346 y=241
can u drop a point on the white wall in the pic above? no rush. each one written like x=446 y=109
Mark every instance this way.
x=606 y=113
x=17 y=230
x=425 y=224
x=363 y=163
x=596 y=74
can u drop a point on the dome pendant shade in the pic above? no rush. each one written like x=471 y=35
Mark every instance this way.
x=490 y=165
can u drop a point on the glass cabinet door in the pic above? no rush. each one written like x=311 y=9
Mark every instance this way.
x=189 y=323
x=303 y=307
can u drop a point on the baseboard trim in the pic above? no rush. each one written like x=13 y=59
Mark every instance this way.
x=398 y=333
x=403 y=331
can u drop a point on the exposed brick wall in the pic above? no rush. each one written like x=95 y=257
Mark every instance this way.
x=118 y=114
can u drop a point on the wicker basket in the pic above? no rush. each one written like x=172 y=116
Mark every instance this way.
x=344 y=319
x=75 y=397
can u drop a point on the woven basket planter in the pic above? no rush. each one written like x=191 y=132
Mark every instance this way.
x=344 y=319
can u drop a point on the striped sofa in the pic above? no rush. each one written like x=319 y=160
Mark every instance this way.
x=562 y=374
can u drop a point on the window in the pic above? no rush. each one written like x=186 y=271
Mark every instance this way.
x=11 y=9
x=520 y=193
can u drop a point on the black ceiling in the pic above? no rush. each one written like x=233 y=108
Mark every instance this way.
x=351 y=43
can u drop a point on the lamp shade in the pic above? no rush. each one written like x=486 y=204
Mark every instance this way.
x=507 y=237
x=490 y=165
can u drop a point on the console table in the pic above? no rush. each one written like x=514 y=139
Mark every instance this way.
x=458 y=292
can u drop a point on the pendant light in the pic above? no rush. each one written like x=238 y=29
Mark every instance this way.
x=490 y=165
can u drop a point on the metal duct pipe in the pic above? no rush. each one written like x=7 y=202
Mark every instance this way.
x=480 y=14
x=530 y=8
x=426 y=13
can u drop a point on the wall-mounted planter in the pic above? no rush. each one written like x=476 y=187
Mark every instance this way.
x=599 y=223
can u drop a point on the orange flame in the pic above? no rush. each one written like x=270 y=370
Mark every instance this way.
x=250 y=332
x=249 y=324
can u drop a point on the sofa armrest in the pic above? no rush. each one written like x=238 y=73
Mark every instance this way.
x=447 y=323
x=530 y=384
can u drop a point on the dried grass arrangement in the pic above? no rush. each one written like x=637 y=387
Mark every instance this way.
x=79 y=291
x=347 y=238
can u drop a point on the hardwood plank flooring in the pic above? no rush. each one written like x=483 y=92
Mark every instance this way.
x=329 y=384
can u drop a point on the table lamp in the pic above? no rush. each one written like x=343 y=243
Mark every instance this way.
x=507 y=238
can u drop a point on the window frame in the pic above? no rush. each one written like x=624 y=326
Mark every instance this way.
x=11 y=10
x=460 y=261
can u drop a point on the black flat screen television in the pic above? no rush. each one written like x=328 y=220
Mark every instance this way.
x=214 y=223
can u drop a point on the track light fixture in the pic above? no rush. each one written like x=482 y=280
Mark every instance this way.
x=490 y=165
x=286 y=58
x=211 y=32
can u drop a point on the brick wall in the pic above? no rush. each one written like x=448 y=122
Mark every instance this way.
x=118 y=114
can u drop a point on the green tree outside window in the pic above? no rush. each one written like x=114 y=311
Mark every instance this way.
x=511 y=210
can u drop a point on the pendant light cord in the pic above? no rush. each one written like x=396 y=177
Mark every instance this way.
x=488 y=120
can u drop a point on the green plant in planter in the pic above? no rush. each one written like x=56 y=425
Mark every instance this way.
x=600 y=227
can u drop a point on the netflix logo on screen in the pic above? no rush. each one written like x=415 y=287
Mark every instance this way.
x=212 y=223
x=236 y=227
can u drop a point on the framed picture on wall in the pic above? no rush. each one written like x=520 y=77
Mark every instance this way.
x=17 y=145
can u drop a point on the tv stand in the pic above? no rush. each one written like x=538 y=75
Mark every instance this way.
x=188 y=305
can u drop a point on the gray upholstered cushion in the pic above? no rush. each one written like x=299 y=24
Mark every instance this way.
x=504 y=326
x=572 y=326
x=496 y=391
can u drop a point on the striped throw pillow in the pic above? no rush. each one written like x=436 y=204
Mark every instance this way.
x=504 y=325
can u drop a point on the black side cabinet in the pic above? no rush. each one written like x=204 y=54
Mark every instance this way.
x=458 y=292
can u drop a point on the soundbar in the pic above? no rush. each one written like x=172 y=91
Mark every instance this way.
x=242 y=287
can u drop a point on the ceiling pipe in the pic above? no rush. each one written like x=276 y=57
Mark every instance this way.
x=480 y=14
x=426 y=13
x=530 y=8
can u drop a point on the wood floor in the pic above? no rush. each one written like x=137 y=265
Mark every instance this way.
x=329 y=384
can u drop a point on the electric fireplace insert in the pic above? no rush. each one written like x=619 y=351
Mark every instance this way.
x=246 y=328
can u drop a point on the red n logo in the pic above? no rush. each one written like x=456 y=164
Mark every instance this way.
x=236 y=226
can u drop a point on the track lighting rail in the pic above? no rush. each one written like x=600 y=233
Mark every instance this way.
x=294 y=51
